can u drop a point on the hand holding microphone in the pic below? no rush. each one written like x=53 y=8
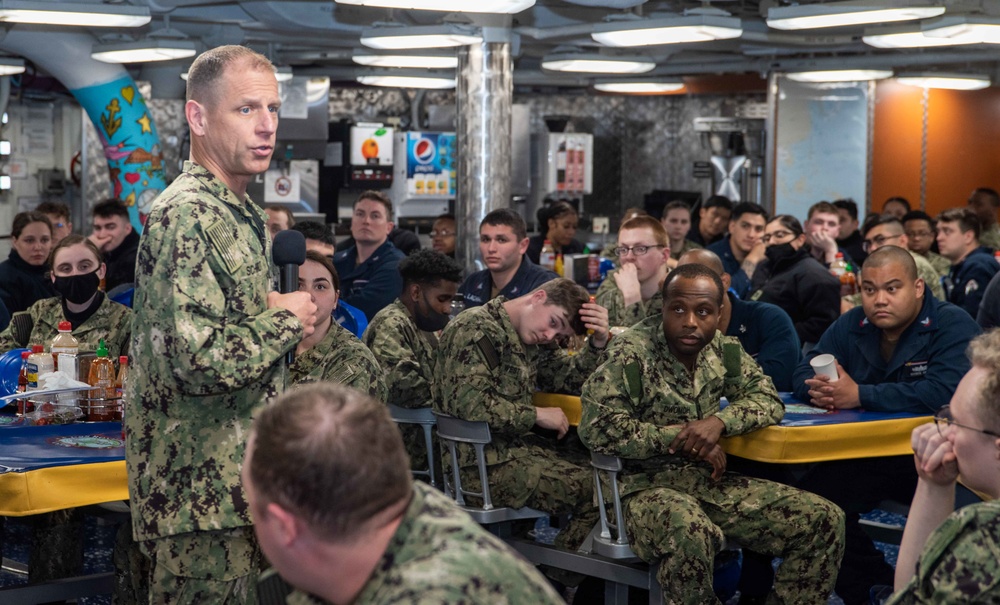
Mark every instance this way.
x=289 y=252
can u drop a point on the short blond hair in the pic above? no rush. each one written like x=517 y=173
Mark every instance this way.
x=647 y=222
x=208 y=68
x=984 y=352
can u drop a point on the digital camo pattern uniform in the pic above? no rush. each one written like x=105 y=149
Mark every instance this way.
x=440 y=556
x=40 y=324
x=634 y=405
x=687 y=246
x=340 y=357
x=941 y=264
x=407 y=357
x=610 y=297
x=485 y=373
x=960 y=562
x=206 y=352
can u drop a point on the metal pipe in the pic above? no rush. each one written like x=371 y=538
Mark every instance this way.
x=485 y=91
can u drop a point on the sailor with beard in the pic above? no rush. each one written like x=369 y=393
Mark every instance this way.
x=654 y=402
x=403 y=336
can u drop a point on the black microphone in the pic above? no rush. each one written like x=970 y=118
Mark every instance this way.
x=288 y=252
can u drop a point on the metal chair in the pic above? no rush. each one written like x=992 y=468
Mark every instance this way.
x=452 y=431
x=424 y=417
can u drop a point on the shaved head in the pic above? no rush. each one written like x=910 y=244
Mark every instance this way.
x=702 y=256
x=892 y=254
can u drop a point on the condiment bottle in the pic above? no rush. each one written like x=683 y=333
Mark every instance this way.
x=121 y=384
x=547 y=257
x=102 y=377
x=22 y=385
x=39 y=362
x=64 y=342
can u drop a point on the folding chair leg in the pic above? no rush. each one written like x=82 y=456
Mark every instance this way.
x=430 y=453
x=615 y=593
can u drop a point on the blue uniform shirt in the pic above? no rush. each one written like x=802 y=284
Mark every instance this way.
x=966 y=282
x=478 y=287
x=768 y=335
x=925 y=368
x=375 y=283
x=740 y=280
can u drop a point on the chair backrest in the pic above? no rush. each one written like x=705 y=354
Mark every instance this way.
x=617 y=546
x=452 y=431
x=350 y=318
x=122 y=294
x=423 y=417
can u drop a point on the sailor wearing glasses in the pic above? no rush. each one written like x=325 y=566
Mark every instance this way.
x=945 y=556
x=632 y=293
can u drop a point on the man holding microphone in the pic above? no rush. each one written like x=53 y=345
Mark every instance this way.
x=208 y=340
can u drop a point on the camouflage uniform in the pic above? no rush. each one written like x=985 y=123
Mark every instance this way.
x=111 y=321
x=610 y=297
x=406 y=355
x=959 y=561
x=485 y=373
x=687 y=247
x=941 y=264
x=925 y=271
x=991 y=237
x=340 y=357
x=634 y=406
x=207 y=353
x=439 y=556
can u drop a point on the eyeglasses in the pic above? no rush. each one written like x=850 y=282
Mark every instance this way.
x=441 y=233
x=776 y=235
x=919 y=233
x=878 y=241
x=943 y=416
x=636 y=250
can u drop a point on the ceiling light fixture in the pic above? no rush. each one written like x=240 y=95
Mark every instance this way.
x=635 y=87
x=10 y=66
x=597 y=63
x=677 y=30
x=451 y=6
x=411 y=38
x=143 y=51
x=413 y=61
x=904 y=37
x=283 y=73
x=840 y=75
x=406 y=81
x=72 y=13
x=950 y=81
x=853 y=12
x=965 y=29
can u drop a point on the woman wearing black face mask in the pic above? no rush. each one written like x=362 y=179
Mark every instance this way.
x=332 y=352
x=77 y=268
x=795 y=281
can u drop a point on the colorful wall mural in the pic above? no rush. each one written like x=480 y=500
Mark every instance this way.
x=131 y=145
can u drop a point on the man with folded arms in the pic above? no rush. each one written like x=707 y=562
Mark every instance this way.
x=655 y=403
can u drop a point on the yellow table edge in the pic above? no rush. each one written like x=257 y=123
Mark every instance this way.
x=795 y=444
x=58 y=487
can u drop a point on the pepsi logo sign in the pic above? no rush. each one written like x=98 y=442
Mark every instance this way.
x=424 y=151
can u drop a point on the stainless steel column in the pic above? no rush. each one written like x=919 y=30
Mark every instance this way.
x=485 y=89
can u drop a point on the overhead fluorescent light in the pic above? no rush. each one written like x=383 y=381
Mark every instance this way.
x=415 y=61
x=283 y=73
x=406 y=81
x=840 y=75
x=10 y=66
x=637 y=86
x=951 y=81
x=597 y=63
x=411 y=38
x=71 y=13
x=4 y=147
x=451 y=6
x=677 y=30
x=838 y=14
x=144 y=51
x=965 y=29
x=904 y=37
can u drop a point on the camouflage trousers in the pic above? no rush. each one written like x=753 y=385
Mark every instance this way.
x=554 y=481
x=218 y=567
x=683 y=527
x=57 y=549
